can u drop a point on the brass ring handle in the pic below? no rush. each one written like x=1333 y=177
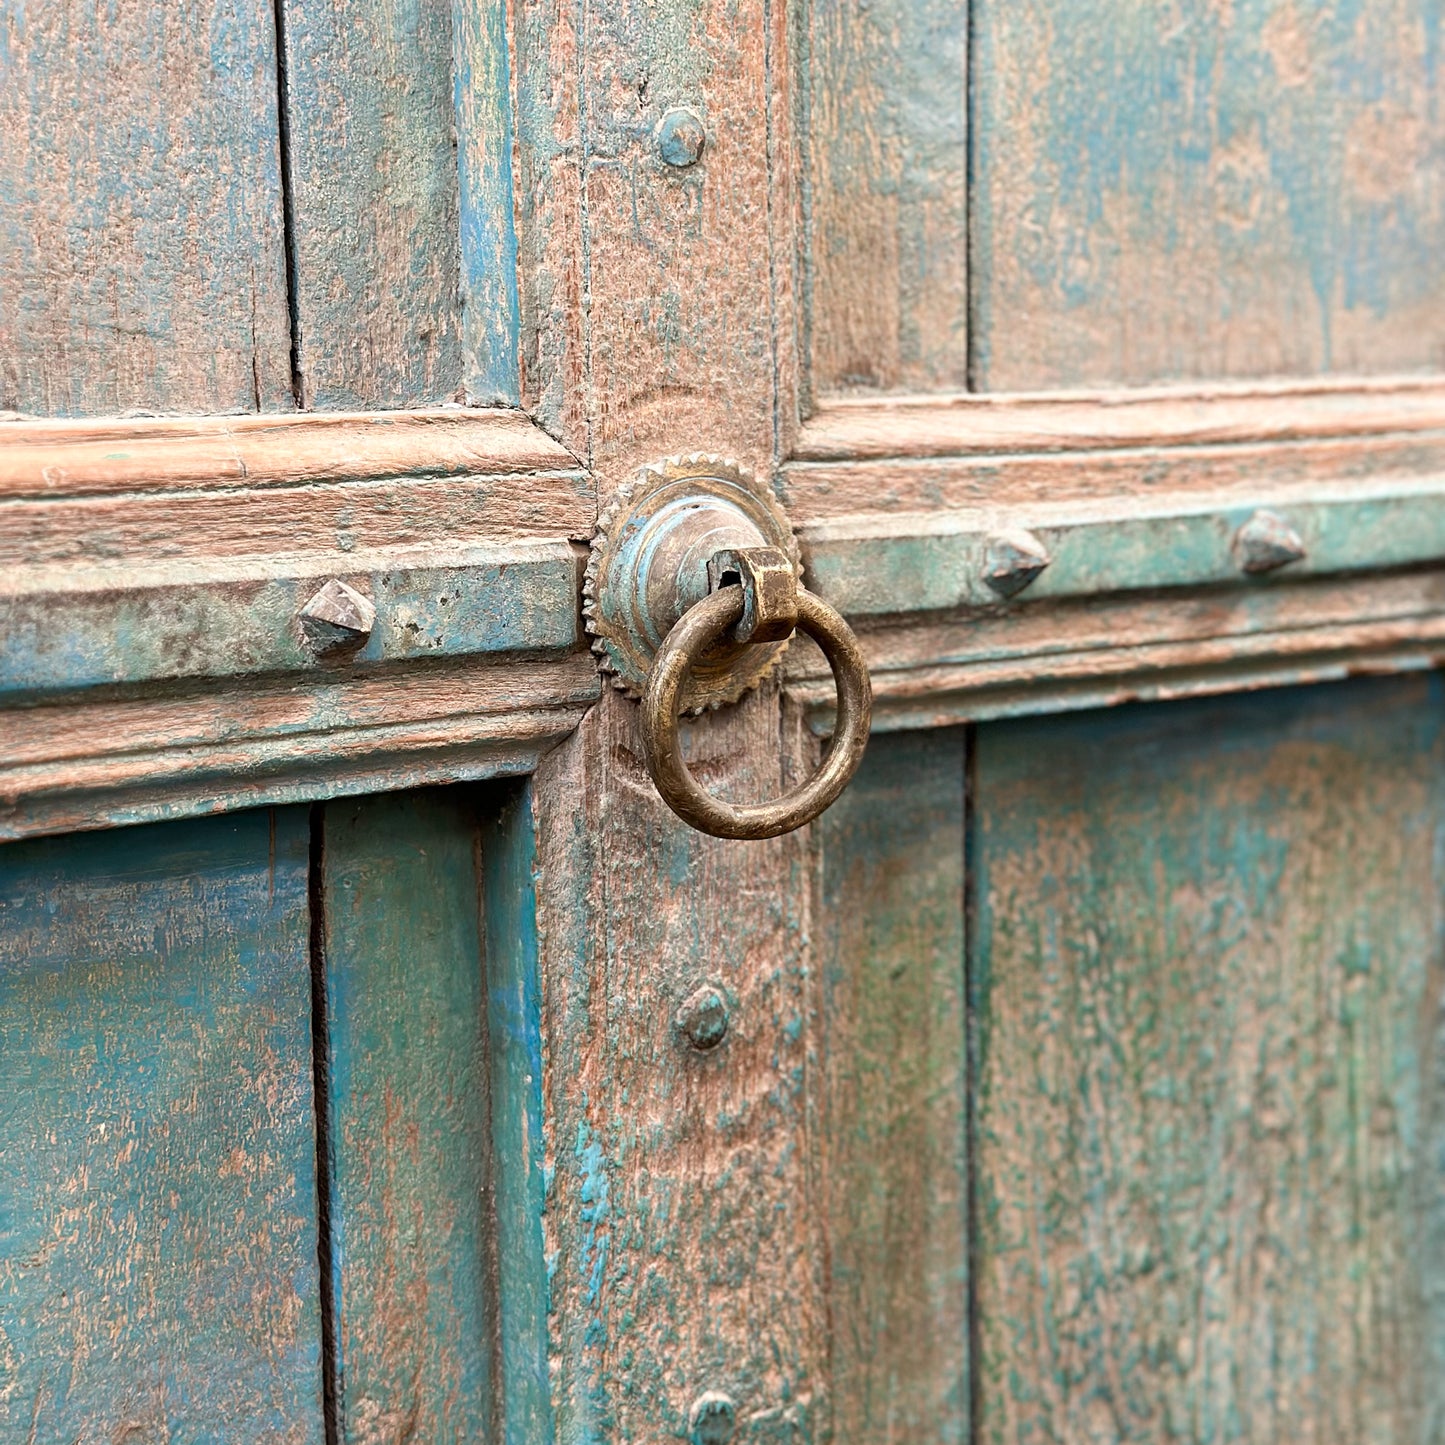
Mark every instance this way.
x=704 y=624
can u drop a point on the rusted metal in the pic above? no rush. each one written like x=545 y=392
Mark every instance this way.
x=702 y=627
x=1012 y=560
x=770 y=591
x=703 y=1018
x=681 y=137
x=1266 y=543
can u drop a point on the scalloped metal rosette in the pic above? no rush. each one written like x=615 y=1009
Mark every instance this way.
x=649 y=565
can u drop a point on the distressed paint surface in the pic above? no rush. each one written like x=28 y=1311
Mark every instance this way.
x=659 y=319
x=1207 y=984
x=514 y=1032
x=400 y=161
x=141 y=253
x=158 y=1267
x=411 y=1163
x=891 y=1045
x=886 y=189
x=1184 y=190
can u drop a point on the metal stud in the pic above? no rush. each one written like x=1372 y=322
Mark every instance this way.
x=1012 y=560
x=712 y=1419
x=703 y=1018
x=681 y=137
x=1267 y=542
x=343 y=610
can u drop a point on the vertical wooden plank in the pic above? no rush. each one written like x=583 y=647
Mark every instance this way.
x=1209 y=991
x=158 y=1265
x=892 y=1055
x=887 y=190
x=1179 y=190
x=399 y=158
x=514 y=1030
x=141 y=254
x=413 y=1270
x=679 y=1220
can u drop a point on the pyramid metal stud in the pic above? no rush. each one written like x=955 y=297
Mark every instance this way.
x=1012 y=560
x=342 y=607
x=1267 y=542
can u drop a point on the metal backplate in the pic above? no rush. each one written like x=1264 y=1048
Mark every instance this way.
x=649 y=565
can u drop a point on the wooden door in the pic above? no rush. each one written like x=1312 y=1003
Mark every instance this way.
x=1080 y=1077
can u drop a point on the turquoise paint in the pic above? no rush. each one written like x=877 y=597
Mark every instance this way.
x=157 y=624
x=520 y=1176
x=158 y=1274
x=491 y=305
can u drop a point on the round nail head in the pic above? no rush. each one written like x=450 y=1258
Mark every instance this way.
x=681 y=137
x=712 y=1419
x=703 y=1018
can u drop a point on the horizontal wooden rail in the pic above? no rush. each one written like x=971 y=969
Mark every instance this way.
x=1137 y=499
x=154 y=660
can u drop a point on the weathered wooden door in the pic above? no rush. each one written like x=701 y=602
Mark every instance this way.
x=382 y=1061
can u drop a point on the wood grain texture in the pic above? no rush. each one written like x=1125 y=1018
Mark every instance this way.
x=1221 y=414
x=141 y=255
x=891 y=1041
x=940 y=670
x=1173 y=191
x=661 y=319
x=514 y=1033
x=1207 y=981
x=413 y=1246
x=126 y=760
x=372 y=158
x=886 y=187
x=158 y=1266
x=198 y=453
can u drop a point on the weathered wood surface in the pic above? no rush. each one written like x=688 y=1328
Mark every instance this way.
x=141 y=250
x=207 y=535
x=939 y=670
x=413 y=1260
x=1222 y=414
x=886 y=192
x=398 y=151
x=659 y=319
x=891 y=1043
x=1207 y=984
x=158 y=1266
x=200 y=751
x=519 y=1168
x=1172 y=191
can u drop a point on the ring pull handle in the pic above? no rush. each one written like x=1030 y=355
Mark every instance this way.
x=756 y=598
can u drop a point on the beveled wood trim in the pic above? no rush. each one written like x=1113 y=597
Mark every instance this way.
x=149 y=454
x=153 y=660
x=857 y=429
x=1138 y=498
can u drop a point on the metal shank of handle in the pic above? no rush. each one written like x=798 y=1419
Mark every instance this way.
x=701 y=626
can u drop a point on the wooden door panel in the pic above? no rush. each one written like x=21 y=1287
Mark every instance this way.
x=1176 y=191
x=1206 y=983
x=142 y=250
x=158 y=1266
x=891 y=1039
x=434 y=1085
x=398 y=151
x=886 y=184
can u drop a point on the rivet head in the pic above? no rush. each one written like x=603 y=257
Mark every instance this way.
x=338 y=614
x=703 y=1018
x=712 y=1419
x=1012 y=560
x=681 y=137
x=1267 y=542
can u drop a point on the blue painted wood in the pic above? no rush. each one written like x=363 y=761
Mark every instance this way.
x=142 y=261
x=158 y=1245
x=1233 y=189
x=413 y=1266
x=514 y=1024
x=1210 y=1137
x=399 y=153
x=892 y=1062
